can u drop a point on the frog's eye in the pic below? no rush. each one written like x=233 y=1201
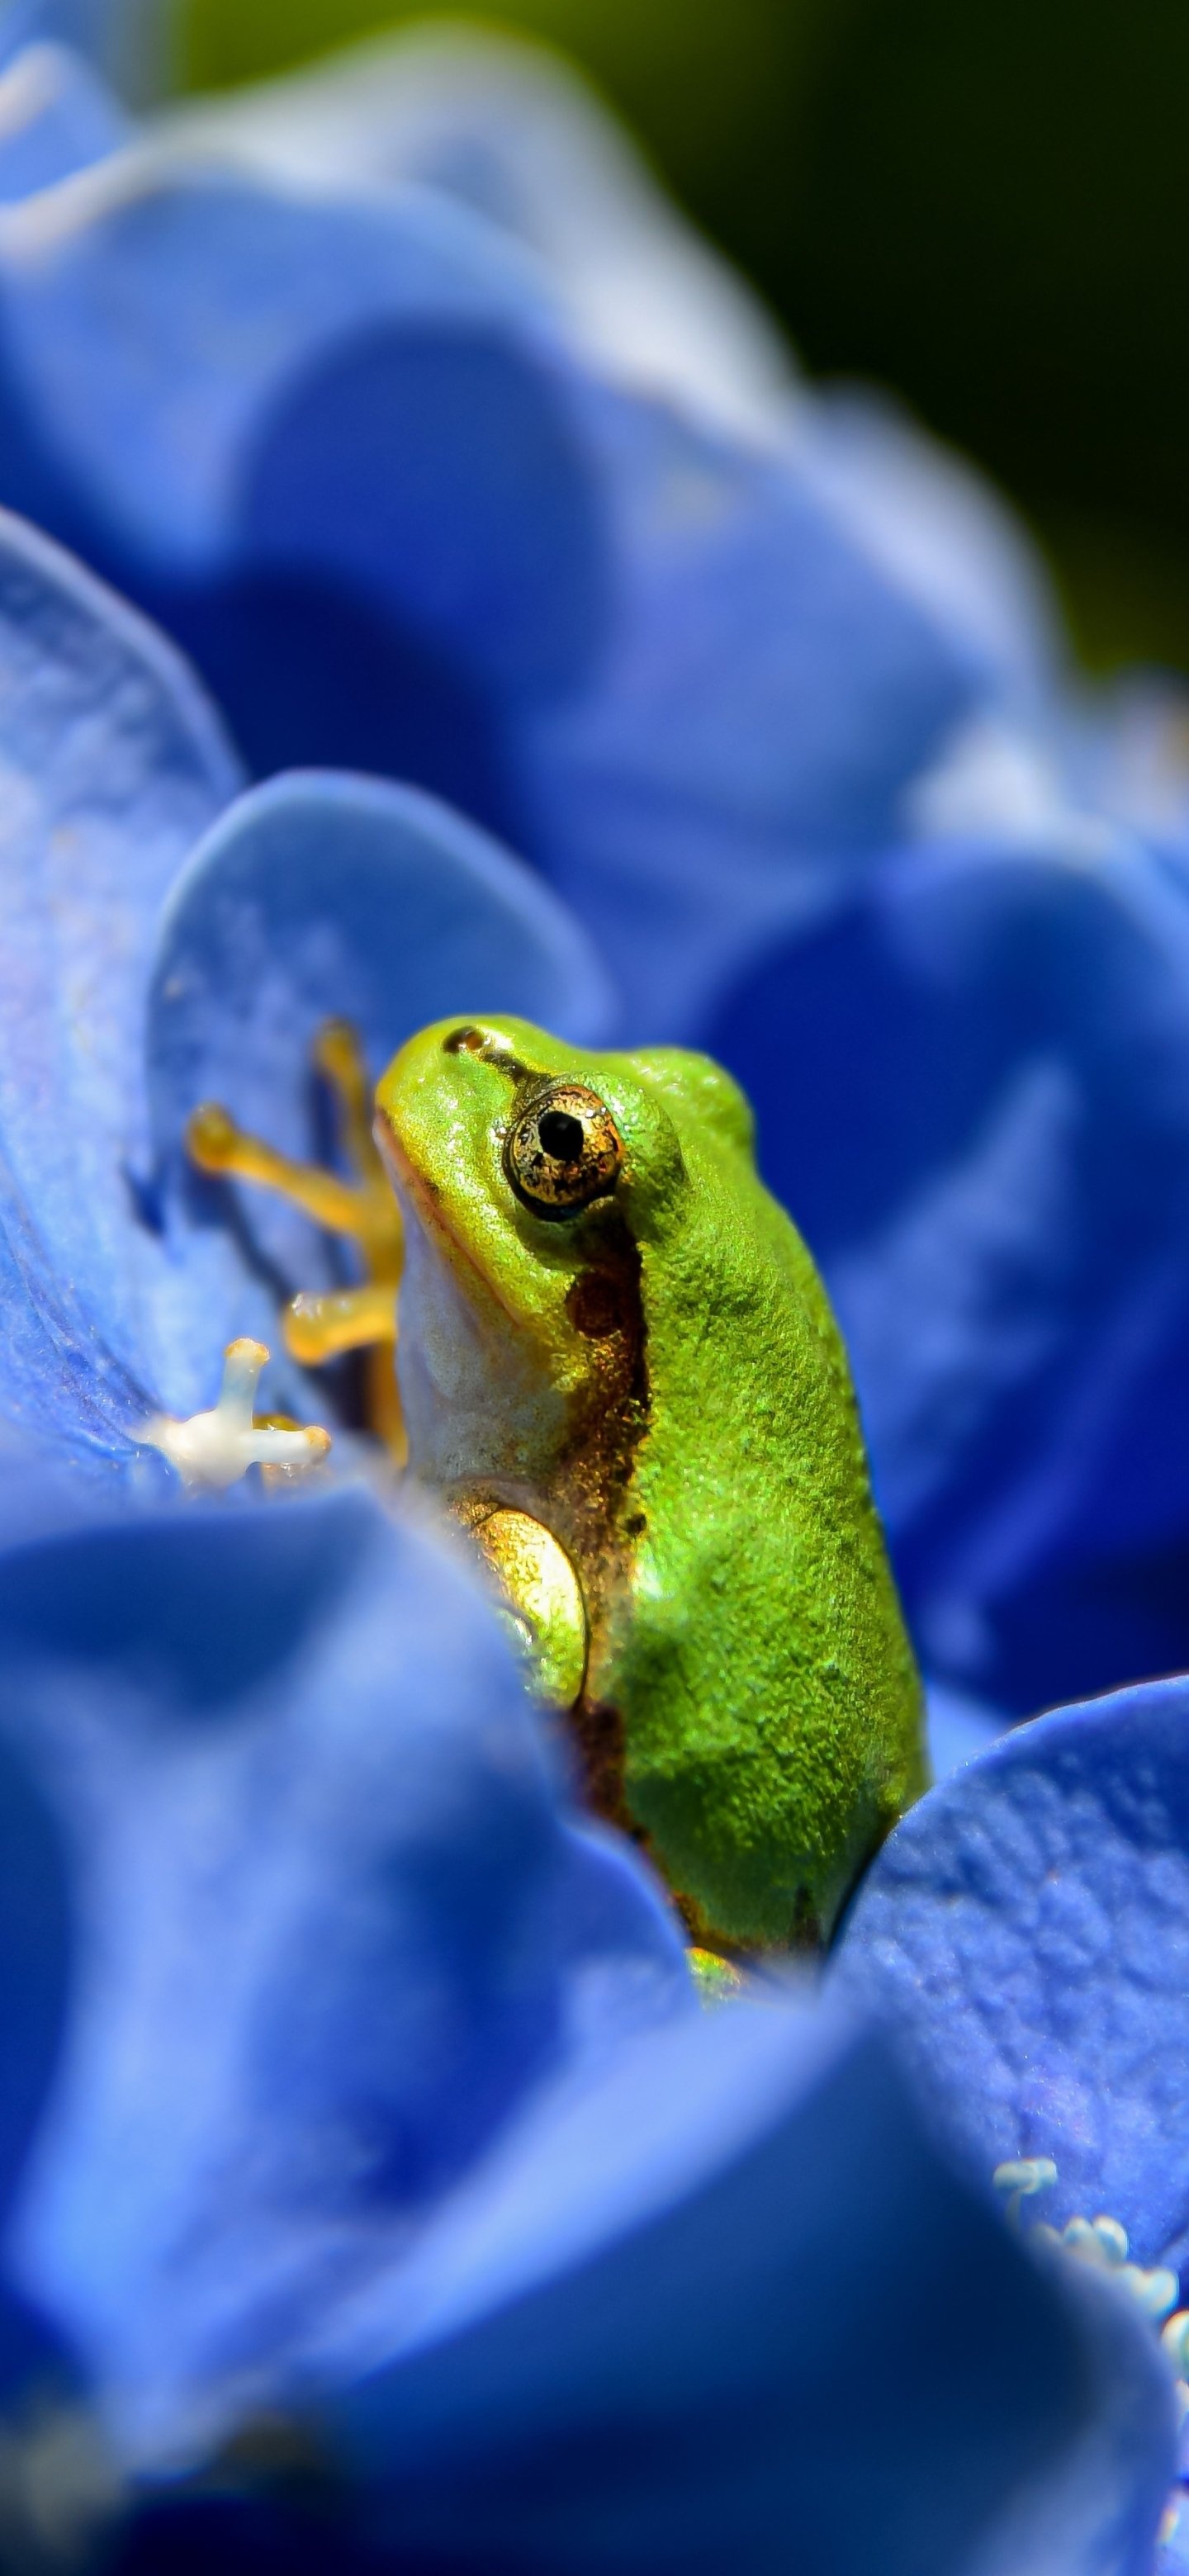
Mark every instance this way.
x=563 y=1151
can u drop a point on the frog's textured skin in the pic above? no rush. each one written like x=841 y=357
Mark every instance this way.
x=658 y=1378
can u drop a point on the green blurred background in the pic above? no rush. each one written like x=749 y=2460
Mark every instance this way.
x=983 y=206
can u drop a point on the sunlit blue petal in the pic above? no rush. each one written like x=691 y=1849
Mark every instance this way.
x=1026 y=1931
x=113 y=763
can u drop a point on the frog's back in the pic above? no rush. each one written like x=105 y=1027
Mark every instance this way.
x=772 y=1706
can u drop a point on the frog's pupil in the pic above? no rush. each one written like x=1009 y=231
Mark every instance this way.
x=561 y=1135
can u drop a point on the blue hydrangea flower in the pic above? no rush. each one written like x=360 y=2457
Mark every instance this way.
x=350 y=2079
x=446 y=465
x=378 y=2110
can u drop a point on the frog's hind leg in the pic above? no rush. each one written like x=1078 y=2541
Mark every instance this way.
x=319 y=1327
x=362 y=1209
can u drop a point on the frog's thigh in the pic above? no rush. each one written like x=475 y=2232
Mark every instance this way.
x=543 y=1593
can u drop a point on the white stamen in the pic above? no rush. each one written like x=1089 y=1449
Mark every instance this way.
x=1020 y=2178
x=1104 y=2244
x=213 y=1450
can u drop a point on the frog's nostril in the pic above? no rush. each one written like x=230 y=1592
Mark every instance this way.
x=488 y=1046
x=561 y=1135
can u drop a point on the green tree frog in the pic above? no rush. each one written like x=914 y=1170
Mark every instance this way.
x=619 y=1368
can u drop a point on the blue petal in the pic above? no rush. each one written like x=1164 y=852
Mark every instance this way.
x=958 y=1728
x=1025 y=1930
x=113 y=765
x=671 y=2370
x=1173 y=2558
x=38 y=1964
x=995 y=1180
x=36 y=1949
x=232 y=301
x=55 y=118
x=943 y=532
x=1099 y=2515
x=322 y=897
x=509 y=130
x=334 y=1924
x=342 y=449
x=130 y=42
x=766 y=694
x=329 y=445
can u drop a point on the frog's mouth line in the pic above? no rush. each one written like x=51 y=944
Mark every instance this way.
x=430 y=1210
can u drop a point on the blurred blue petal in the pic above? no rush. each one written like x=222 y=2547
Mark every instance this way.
x=213 y=300
x=131 y=43
x=742 y=753
x=38 y=1963
x=36 y=1946
x=318 y=897
x=1025 y=1932
x=995 y=1179
x=941 y=530
x=1099 y=2514
x=55 y=118
x=347 y=448
x=958 y=1728
x=690 y=2390
x=508 y=129
x=383 y=2101
x=112 y=763
x=332 y=1925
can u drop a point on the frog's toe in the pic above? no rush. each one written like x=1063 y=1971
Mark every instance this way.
x=717 y=1980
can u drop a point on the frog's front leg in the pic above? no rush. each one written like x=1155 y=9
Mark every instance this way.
x=318 y=1327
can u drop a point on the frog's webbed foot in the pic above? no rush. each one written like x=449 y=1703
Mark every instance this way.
x=214 y=1449
x=361 y=1208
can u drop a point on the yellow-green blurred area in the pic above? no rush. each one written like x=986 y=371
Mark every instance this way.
x=979 y=202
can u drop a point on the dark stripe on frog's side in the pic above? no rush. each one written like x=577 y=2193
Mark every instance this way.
x=596 y=1471
x=593 y=1487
